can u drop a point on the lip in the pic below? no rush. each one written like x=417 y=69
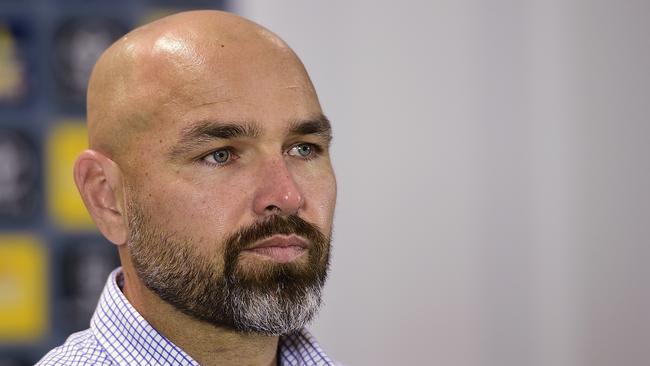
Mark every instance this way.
x=279 y=248
x=281 y=241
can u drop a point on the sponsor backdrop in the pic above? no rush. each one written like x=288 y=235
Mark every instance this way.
x=53 y=262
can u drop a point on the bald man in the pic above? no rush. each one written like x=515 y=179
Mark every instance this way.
x=208 y=168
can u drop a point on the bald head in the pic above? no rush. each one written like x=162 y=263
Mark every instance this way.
x=207 y=139
x=163 y=71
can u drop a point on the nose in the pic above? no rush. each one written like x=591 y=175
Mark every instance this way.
x=278 y=193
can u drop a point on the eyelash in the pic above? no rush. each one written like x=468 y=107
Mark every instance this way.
x=233 y=156
x=316 y=152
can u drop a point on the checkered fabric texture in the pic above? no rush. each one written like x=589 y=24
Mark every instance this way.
x=119 y=335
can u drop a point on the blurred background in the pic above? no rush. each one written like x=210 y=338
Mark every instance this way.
x=492 y=160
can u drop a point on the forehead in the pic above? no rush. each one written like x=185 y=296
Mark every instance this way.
x=226 y=79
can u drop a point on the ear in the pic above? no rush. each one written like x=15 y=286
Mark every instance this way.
x=99 y=181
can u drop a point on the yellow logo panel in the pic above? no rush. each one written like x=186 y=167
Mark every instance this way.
x=12 y=78
x=23 y=288
x=67 y=140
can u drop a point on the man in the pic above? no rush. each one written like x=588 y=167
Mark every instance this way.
x=209 y=169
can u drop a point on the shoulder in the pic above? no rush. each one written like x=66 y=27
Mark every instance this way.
x=80 y=348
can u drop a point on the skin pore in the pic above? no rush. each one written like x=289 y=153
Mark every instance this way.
x=209 y=123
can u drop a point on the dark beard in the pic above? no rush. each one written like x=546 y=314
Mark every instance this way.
x=275 y=299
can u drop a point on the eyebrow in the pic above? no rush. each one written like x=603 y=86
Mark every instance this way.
x=318 y=125
x=209 y=130
x=206 y=131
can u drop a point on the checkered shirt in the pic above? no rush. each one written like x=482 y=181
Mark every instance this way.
x=119 y=335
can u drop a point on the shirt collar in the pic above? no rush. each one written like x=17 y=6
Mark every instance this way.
x=126 y=336
x=130 y=340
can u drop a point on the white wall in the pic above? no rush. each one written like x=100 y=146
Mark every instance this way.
x=492 y=159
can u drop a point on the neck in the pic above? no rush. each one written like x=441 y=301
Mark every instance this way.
x=207 y=344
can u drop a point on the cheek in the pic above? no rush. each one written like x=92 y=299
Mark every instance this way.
x=320 y=199
x=197 y=209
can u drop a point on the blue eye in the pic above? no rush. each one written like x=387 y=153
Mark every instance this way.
x=303 y=150
x=220 y=157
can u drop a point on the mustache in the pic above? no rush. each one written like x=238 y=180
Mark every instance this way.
x=275 y=225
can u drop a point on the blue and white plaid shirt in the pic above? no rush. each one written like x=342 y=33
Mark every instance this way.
x=119 y=335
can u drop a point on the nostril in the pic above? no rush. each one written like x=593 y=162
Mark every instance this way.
x=273 y=209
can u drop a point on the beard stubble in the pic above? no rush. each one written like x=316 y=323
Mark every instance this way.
x=270 y=298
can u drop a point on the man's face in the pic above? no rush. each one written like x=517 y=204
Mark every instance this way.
x=230 y=186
